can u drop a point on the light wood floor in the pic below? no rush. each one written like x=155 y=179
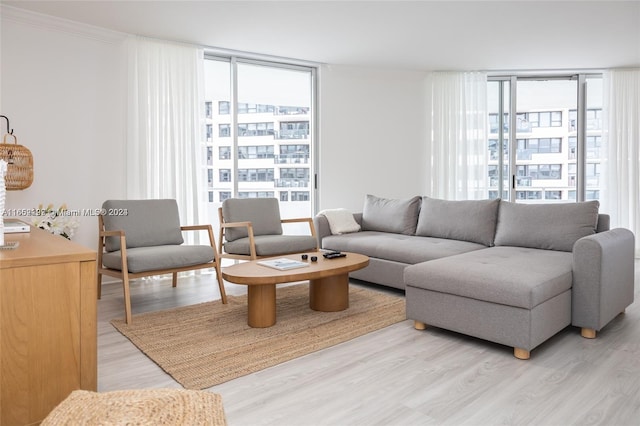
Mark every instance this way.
x=401 y=376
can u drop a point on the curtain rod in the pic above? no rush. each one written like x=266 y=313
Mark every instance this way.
x=545 y=72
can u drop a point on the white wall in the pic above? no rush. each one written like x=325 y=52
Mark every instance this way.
x=63 y=85
x=372 y=130
x=63 y=88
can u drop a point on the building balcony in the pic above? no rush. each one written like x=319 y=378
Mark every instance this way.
x=292 y=134
x=291 y=183
x=292 y=159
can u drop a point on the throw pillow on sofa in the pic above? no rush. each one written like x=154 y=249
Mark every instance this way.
x=466 y=220
x=340 y=220
x=398 y=216
x=545 y=226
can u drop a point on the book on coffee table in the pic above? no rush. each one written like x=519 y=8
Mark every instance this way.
x=283 y=263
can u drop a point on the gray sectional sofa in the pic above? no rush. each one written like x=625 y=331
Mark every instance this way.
x=514 y=274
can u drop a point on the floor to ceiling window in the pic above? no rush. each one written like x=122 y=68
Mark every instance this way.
x=260 y=134
x=544 y=138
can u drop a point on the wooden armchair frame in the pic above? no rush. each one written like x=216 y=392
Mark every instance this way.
x=252 y=243
x=125 y=275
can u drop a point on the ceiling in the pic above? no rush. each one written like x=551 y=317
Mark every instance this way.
x=411 y=35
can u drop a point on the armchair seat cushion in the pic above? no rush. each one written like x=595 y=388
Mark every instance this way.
x=272 y=245
x=144 y=259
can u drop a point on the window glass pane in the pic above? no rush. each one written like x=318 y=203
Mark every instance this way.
x=593 y=141
x=547 y=147
x=545 y=119
x=545 y=103
x=283 y=98
x=498 y=154
x=274 y=130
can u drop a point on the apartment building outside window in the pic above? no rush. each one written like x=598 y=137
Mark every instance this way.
x=255 y=151
x=255 y=129
x=225 y=175
x=539 y=145
x=255 y=175
x=553 y=159
x=224 y=130
x=256 y=194
x=261 y=124
x=293 y=154
x=224 y=153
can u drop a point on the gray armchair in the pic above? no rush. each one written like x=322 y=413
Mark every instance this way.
x=140 y=238
x=251 y=228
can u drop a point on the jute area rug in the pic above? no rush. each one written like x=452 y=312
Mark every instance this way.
x=210 y=343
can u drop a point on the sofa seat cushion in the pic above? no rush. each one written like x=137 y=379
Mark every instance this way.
x=398 y=247
x=272 y=245
x=512 y=276
x=143 y=259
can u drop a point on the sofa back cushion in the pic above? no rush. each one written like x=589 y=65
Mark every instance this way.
x=545 y=226
x=464 y=220
x=399 y=216
x=604 y=222
x=263 y=213
x=145 y=222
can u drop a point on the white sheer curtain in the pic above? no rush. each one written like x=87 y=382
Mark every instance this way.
x=164 y=126
x=457 y=137
x=621 y=166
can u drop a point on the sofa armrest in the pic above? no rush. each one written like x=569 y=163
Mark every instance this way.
x=323 y=229
x=358 y=218
x=321 y=225
x=603 y=278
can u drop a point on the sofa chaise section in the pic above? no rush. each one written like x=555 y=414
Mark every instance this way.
x=548 y=269
x=514 y=296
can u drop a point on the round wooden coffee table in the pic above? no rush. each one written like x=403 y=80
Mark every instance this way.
x=328 y=283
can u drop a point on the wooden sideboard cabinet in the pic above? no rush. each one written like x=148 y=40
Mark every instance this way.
x=48 y=324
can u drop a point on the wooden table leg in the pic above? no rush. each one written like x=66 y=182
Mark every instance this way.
x=330 y=294
x=262 y=305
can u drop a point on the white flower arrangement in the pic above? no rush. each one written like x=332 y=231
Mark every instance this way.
x=57 y=221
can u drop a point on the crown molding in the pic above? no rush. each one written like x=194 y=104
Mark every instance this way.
x=52 y=23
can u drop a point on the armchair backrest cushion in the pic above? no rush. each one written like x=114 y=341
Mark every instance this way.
x=263 y=213
x=145 y=222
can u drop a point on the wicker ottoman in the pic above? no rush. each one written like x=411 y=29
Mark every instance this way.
x=139 y=407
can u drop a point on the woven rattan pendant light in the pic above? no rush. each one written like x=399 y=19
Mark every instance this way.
x=19 y=161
